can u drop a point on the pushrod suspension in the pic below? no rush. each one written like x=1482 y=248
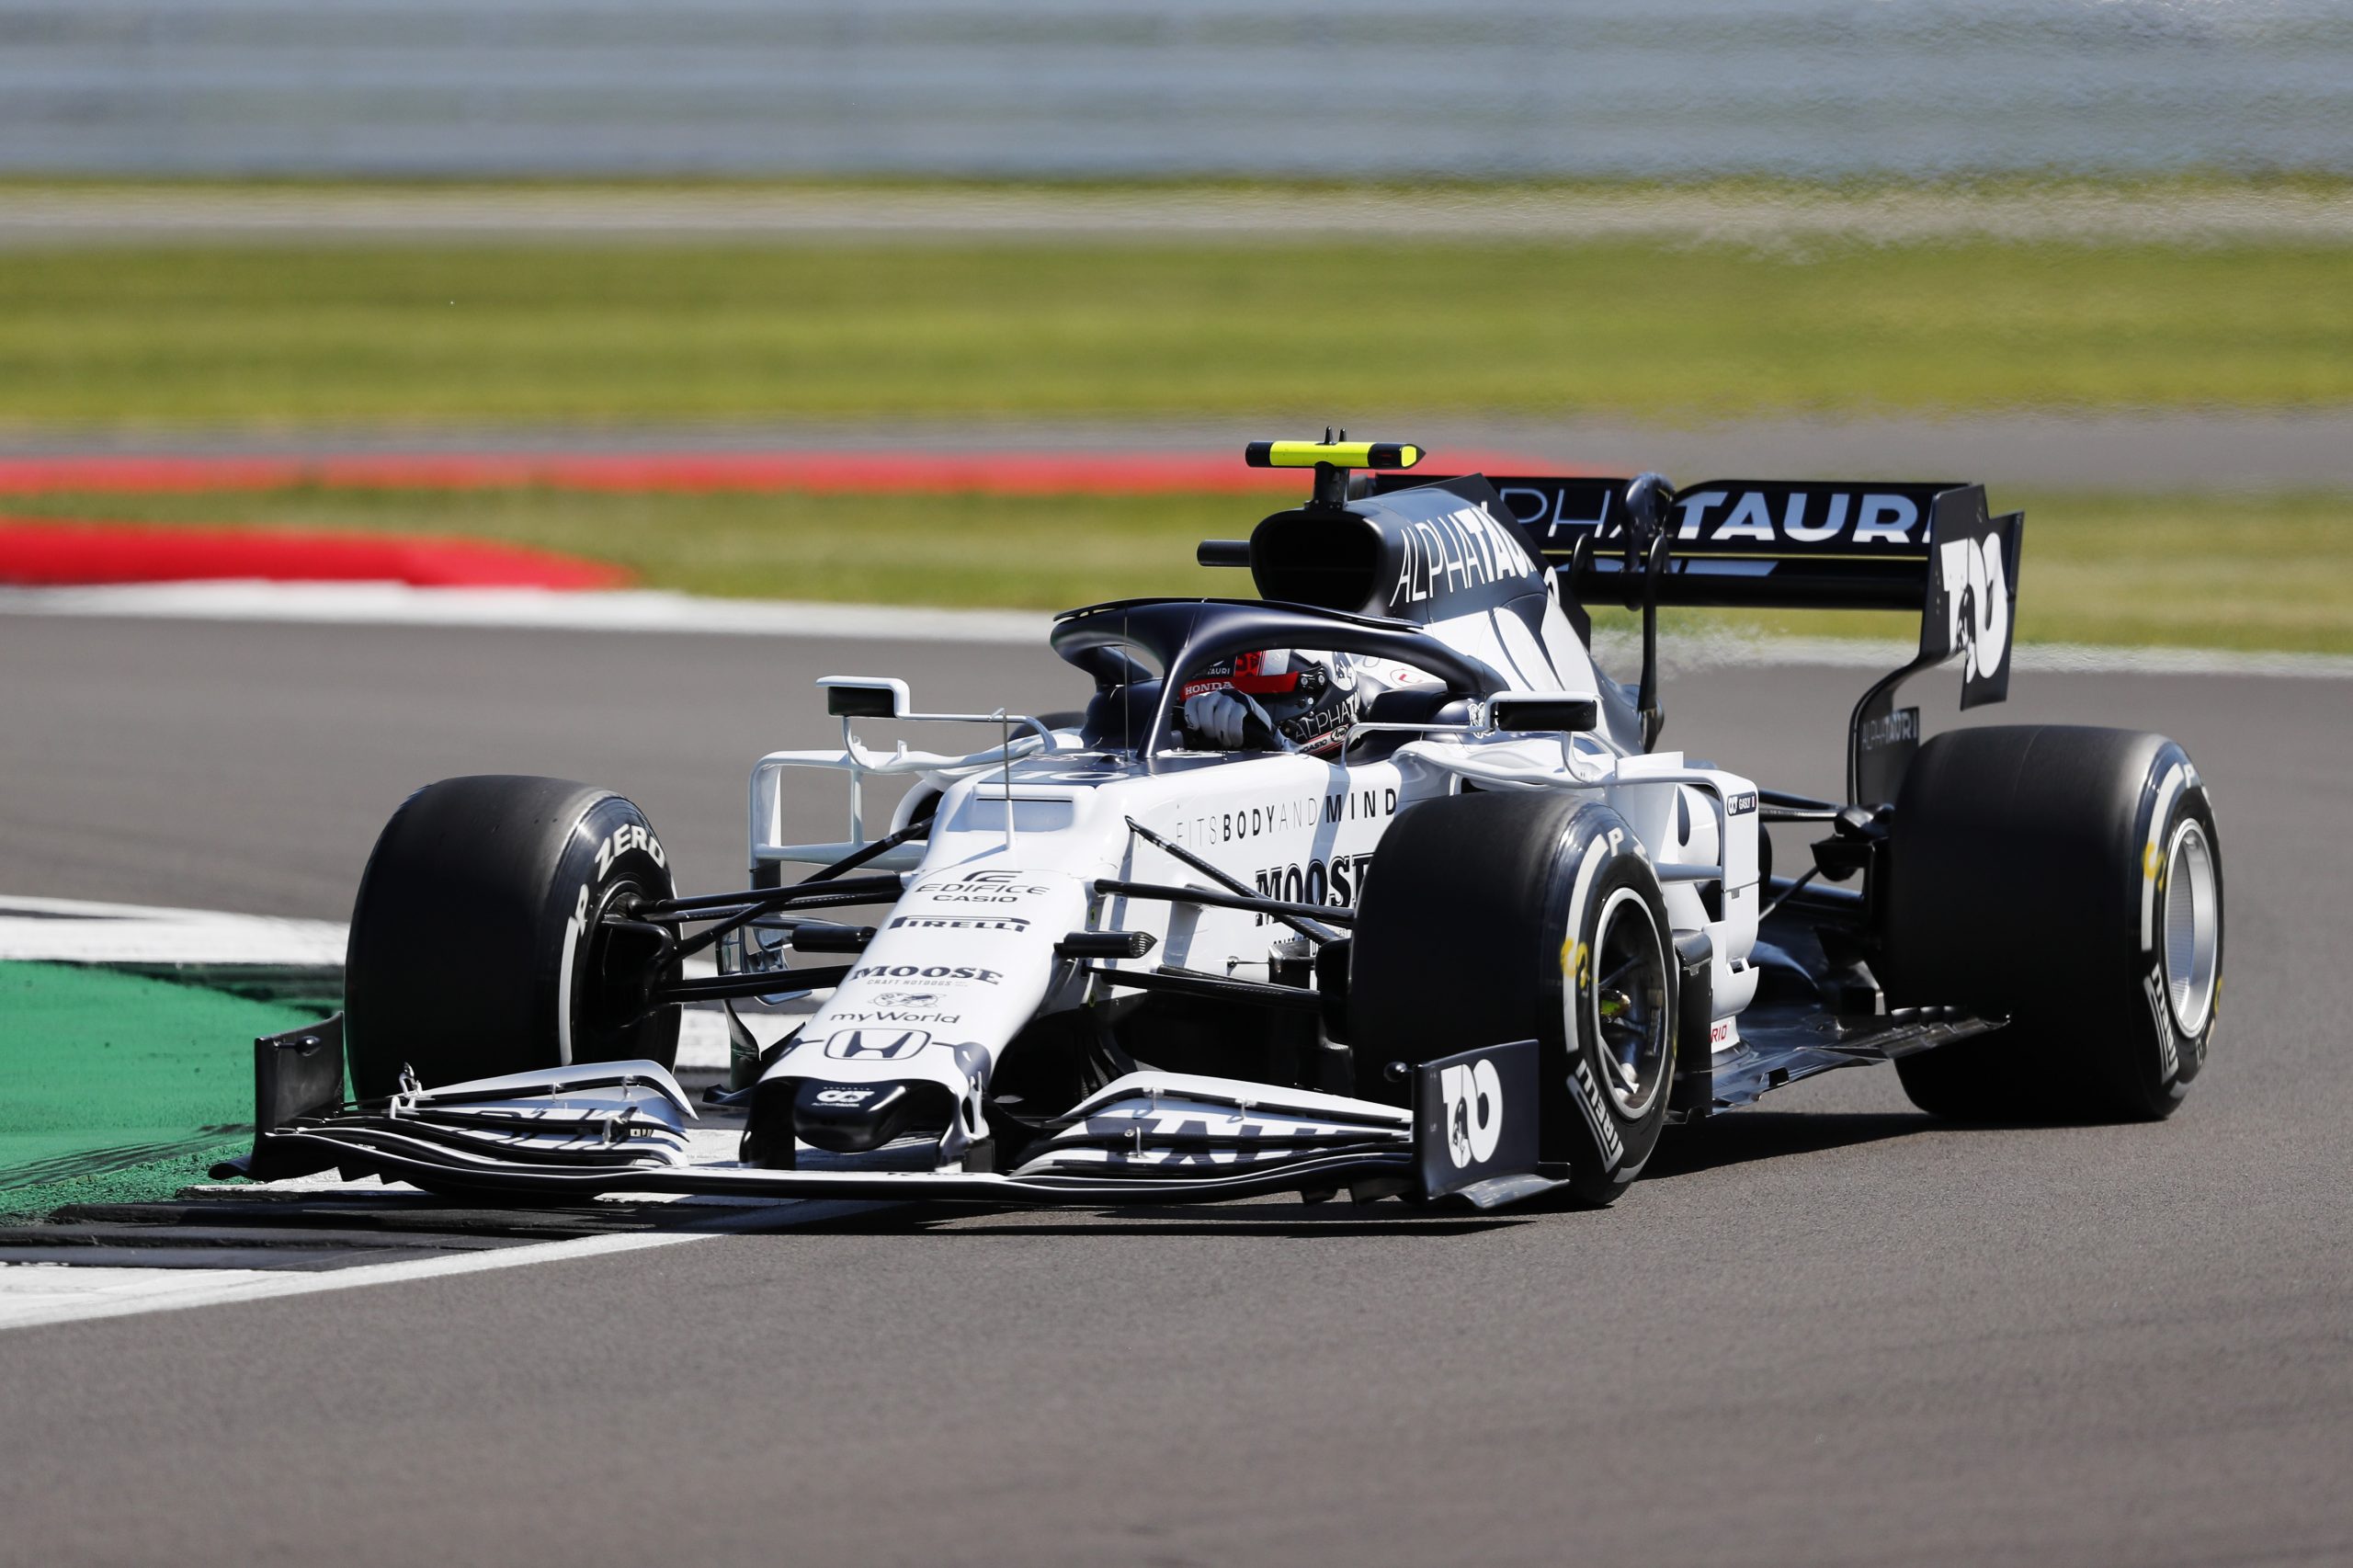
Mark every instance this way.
x=728 y=987
x=1310 y=927
x=1273 y=908
x=1210 y=987
x=811 y=894
x=806 y=894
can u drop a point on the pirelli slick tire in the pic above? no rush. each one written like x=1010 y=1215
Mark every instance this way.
x=1491 y=917
x=2072 y=879
x=476 y=947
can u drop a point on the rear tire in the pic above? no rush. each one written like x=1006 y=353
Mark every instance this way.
x=1530 y=915
x=475 y=945
x=2070 y=877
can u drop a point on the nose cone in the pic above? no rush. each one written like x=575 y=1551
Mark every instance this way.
x=850 y=1118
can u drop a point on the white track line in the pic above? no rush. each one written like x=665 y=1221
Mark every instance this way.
x=34 y=1294
x=1688 y=652
x=76 y=931
x=649 y=611
x=645 y=609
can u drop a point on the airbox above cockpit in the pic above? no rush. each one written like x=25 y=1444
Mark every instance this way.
x=1421 y=554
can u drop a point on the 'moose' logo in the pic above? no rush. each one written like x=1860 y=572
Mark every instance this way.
x=949 y=971
x=868 y=1045
x=1339 y=882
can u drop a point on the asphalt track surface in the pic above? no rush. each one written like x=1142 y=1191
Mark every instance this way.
x=1825 y=1332
x=32 y=214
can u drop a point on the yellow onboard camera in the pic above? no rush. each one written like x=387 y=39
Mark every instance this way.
x=1331 y=460
x=1342 y=453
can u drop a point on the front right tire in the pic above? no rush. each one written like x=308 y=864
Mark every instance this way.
x=475 y=946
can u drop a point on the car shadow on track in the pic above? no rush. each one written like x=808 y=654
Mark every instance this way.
x=1285 y=1220
x=1748 y=1135
x=1714 y=1144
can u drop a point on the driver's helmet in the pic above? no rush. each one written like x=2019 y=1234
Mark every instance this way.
x=1311 y=695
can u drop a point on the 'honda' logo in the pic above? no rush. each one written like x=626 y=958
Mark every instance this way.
x=887 y=1045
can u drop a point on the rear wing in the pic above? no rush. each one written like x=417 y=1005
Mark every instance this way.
x=1932 y=548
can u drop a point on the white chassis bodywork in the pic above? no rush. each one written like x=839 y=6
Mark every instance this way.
x=965 y=961
x=1023 y=878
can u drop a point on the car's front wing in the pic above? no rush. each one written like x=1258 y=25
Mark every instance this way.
x=1162 y=1138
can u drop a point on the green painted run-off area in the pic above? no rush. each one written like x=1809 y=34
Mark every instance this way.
x=120 y=1088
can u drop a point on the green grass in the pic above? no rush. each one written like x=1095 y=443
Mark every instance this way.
x=1284 y=334
x=116 y=1089
x=2252 y=572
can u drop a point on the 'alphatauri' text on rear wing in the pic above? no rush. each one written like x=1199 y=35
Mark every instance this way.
x=1928 y=548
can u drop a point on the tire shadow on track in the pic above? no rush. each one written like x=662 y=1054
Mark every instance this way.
x=1714 y=1144
x=1280 y=1221
x=1740 y=1137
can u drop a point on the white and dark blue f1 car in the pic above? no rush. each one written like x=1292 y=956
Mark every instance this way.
x=1489 y=941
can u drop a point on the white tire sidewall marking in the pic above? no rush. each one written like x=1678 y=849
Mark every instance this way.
x=1617 y=900
x=1592 y=1101
x=2177 y=778
x=631 y=835
x=2187 y=828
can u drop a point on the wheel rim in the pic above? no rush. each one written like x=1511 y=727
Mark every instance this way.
x=1630 y=1007
x=2193 y=928
x=607 y=998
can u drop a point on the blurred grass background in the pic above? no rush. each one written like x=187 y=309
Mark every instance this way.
x=283 y=336
x=289 y=336
x=2256 y=571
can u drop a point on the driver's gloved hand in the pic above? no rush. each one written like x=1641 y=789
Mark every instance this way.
x=1217 y=717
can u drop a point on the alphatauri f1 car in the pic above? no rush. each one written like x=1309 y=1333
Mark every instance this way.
x=1490 y=946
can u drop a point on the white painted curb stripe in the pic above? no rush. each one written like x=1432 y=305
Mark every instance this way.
x=650 y=610
x=59 y=930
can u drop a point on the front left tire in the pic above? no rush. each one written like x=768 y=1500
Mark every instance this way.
x=1492 y=917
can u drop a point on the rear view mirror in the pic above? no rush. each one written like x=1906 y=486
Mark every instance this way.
x=1543 y=711
x=865 y=696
